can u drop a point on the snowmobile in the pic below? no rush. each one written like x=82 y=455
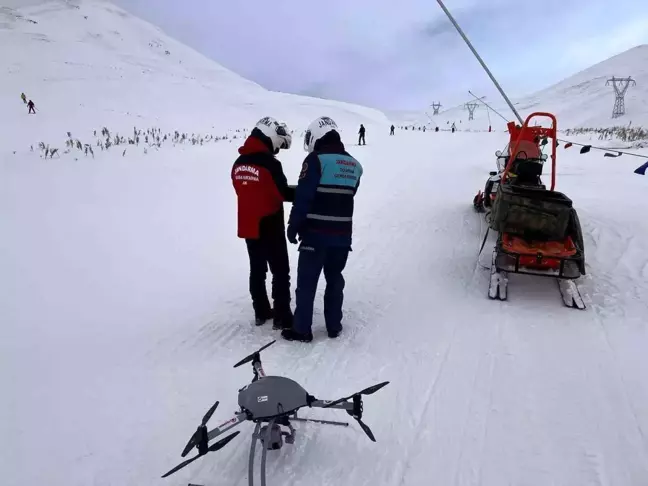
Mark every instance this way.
x=275 y=401
x=483 y=201
x=538 y=230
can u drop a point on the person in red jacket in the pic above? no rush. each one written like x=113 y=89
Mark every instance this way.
x=261 y=189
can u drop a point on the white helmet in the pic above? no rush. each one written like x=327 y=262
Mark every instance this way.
x=317 y=130
x=277 y=132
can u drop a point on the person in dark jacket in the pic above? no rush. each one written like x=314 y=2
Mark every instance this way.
x=31 y=107
x=322 y=216
x=361 y=133
x=261 y=188
x=391 y=130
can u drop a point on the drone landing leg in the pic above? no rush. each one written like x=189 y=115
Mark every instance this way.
x=264 y=454
x=255 y=436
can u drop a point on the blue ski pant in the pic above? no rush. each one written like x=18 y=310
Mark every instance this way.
x=312 y=260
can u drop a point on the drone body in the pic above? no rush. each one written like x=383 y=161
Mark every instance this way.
x=271 y=396
x=271 y=402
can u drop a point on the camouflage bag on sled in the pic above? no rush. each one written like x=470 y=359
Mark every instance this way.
x=534 y=214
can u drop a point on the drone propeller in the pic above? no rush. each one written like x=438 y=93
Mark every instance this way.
x=199 y=437
x=366 y=429
x=367 y=391
x=251 y=357
x=213 y=448
x=356 y=413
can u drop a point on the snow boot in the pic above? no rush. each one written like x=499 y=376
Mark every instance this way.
x=282 y=322
x=291 y=335
x=334 y=334
x=262 y=317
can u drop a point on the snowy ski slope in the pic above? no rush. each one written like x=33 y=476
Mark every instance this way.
x=124 y=304
x=89 y=64
x=124 y=301
x=581 y=100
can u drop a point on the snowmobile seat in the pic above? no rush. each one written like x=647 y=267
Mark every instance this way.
x=526 y=171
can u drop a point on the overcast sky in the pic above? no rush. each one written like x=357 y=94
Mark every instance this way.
x=403 y=54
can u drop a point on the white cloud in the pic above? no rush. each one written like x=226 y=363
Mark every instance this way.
x=394 y=54
x=604 y=44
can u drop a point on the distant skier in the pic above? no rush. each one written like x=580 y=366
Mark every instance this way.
x=391 y=131
x=32 y=107
x=436 y=129
x=453 y=128
x=322 y=216
x=23 y=97
x=424 y=127
x=261 y=189
x=361 y=138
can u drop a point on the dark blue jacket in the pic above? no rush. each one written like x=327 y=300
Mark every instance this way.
x=322 y=213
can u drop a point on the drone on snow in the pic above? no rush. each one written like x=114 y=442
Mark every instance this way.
x=271 y=400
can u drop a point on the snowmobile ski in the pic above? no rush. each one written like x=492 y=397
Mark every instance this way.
x=570 y=294
x=498 y=286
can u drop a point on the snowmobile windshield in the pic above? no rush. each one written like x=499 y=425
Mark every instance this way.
x=502 y=159
x=501 y=163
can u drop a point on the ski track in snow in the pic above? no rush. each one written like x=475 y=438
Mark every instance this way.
x=524 y=392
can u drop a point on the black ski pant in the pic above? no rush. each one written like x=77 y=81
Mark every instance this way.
x=270 y=250
x=361 y=139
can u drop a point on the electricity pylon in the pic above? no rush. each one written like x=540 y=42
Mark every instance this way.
x=436 y=106
x=621 y=86
x=471 y=106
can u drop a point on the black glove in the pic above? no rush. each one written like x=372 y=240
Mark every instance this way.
x=292 y=234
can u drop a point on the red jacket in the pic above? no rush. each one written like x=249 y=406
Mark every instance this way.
x=260 y=185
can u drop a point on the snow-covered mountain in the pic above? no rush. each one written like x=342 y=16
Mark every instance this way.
x=581 y=100
x=88 y=64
